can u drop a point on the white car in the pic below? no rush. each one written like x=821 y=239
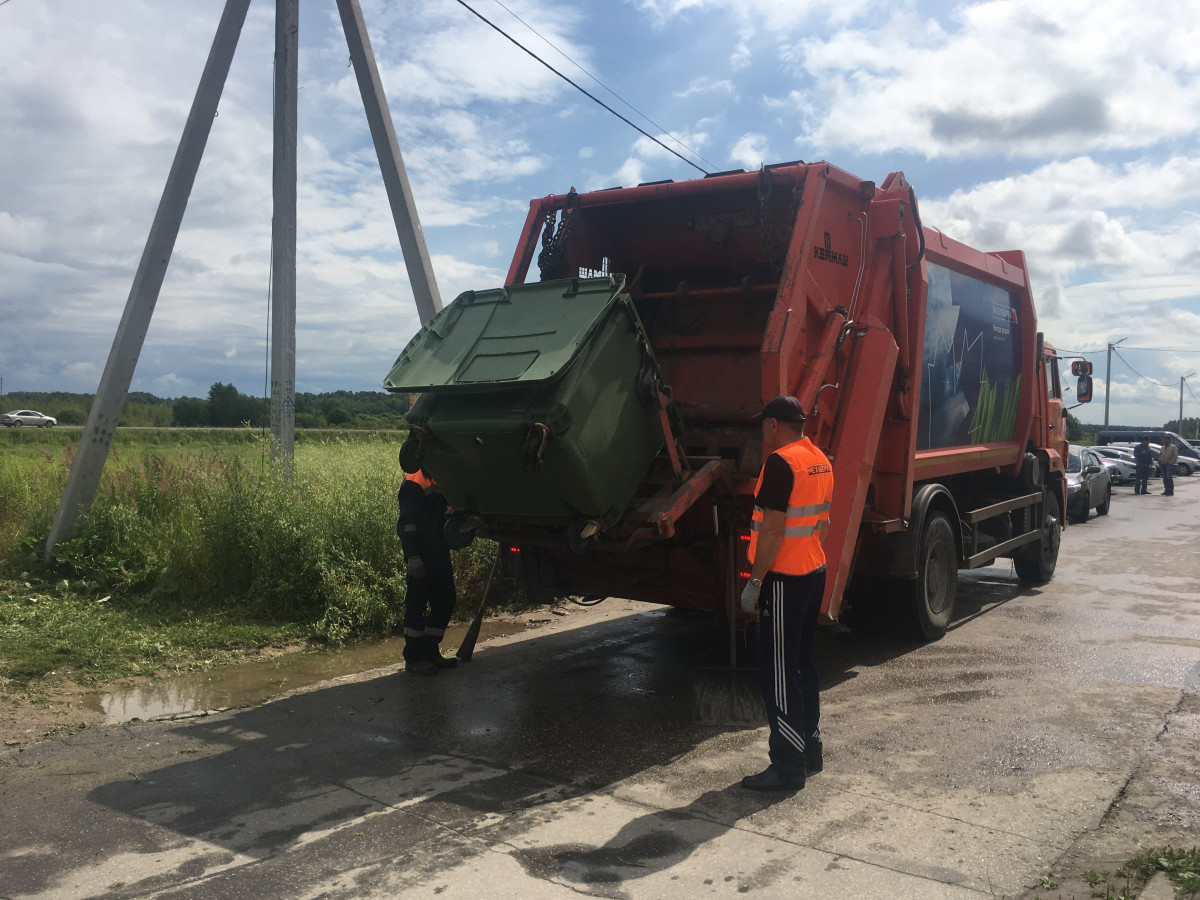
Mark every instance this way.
x=27 y=417
x=1120 y=465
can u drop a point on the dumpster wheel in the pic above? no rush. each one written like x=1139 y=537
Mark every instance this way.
x=580 y=534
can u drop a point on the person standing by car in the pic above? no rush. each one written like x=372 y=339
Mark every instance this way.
x=787 y=567
x=429 y=575
x=1167 y=457
x=1143 y=458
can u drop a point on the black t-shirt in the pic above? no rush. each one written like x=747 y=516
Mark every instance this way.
x=777 y=482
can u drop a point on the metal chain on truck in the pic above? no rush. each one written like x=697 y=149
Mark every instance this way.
x=767 y=235
x=552 y=260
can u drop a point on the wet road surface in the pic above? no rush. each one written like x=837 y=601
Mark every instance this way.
x=591 y=757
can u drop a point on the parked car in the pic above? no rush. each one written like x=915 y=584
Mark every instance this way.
x=1126 y=452
x=1186 y=448
x=1186 y=466
x=1088 y=485
x=1118 y=473
x=27 y=417
x=1183 y=465
x=1121 y=468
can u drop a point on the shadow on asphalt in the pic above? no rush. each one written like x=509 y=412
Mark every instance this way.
x=487 y=750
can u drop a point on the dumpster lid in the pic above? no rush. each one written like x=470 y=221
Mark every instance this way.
x=520 y=334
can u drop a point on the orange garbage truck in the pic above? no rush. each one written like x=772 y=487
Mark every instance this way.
x=594 y=416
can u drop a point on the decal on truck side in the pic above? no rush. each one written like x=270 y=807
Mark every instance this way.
x=828 y=254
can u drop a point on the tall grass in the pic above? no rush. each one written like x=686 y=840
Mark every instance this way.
x=198 y=532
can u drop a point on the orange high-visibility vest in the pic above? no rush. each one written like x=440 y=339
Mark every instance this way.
x=807 y=515
x=425 y=484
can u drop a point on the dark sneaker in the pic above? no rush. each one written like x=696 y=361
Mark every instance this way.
x=772 y=779
x=420 y=667
x=814 y=762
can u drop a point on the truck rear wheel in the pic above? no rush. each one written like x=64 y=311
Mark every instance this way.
x=937 y=578
x=1039 y=567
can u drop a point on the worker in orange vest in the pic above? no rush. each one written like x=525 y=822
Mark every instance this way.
x=429 y=576
x=787 y=580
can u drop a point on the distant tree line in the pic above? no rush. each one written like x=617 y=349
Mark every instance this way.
x=225 y=407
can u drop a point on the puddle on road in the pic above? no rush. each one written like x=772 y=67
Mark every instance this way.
x=251 y=683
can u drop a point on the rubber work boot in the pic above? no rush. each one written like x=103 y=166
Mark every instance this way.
x=416 y=659
x=434 y=655
x=772 y=779
x=420 y=667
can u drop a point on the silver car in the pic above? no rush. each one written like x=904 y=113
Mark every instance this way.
x=1088 y=485
x=20 y=417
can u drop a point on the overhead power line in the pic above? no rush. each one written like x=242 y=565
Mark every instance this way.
x=561 y=53
x=583 y=91
x=1165 y=349
x=1139 y=374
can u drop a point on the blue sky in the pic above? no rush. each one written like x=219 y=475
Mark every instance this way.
x=1067 y=129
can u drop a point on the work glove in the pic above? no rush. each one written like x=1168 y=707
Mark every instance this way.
x=416 y=567
x=750 y=595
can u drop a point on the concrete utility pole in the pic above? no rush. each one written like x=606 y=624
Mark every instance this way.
x=1108 y=379
x=1181 y=381
x=391 y=163
x=118 y=373
x=283 y=237
x=131 y=333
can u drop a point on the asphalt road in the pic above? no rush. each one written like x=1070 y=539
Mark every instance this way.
x=1049 y=729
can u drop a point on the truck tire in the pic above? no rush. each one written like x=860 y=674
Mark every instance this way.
x=937 y=578
x=1039 y=568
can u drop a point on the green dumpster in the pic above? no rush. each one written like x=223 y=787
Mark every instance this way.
x=537 y=402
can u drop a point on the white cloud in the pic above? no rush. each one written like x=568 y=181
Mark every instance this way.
x=768 y=15
x=1074 y=217
x=750 y=151
x=1006 y=77
x=706 y=85
x=92 y=103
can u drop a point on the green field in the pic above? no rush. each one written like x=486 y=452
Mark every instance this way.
x=196 y=550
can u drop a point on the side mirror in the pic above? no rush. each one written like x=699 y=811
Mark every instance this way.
x=1081 y=367
x=1093 y=470
x=1083 y=388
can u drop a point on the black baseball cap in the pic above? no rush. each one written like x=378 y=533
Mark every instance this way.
x=783 y=408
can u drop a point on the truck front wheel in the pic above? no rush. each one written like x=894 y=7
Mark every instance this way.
x=937 y=574
x=1038 y=568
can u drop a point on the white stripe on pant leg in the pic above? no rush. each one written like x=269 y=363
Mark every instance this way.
x=790 y=733
x=780 y=654
x=775 y=643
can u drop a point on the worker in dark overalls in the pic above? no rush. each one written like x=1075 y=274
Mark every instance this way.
x=429 y=576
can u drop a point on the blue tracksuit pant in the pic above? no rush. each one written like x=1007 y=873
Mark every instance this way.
x=787 y=667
